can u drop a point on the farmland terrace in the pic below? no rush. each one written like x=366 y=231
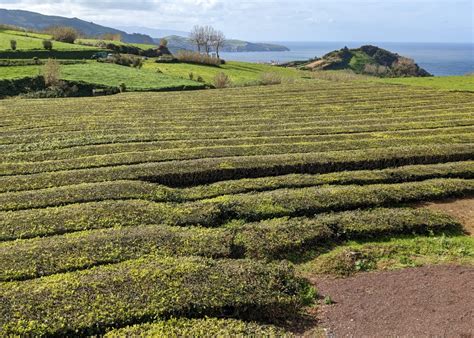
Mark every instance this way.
x=118 y=213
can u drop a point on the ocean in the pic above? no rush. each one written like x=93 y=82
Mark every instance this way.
x=440 y=59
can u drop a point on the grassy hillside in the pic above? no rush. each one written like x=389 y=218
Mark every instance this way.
x=132 y=209
x=37 y=21
x=107 y=74
x=28 y=41
x=239 y=72
x=465 y=82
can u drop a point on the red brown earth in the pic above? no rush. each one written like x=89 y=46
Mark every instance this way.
x=461 y=209
x=416 y=302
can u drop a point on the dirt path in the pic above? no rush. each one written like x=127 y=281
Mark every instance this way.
x=461 y=209
x=416 y=302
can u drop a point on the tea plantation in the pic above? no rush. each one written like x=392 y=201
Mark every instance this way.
x=178 y=213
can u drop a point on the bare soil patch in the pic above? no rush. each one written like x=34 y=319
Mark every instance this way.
x=461 y=209
x=417 y=302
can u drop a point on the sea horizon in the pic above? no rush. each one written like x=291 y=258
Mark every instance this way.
x=438 y=58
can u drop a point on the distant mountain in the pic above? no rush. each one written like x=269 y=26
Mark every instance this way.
x=369 y=60
x=176 y=43
x=153 y=32
x=39 y=21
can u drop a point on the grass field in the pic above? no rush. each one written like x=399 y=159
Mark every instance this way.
x=176 y=213
x=462 y=83
x=240 y=73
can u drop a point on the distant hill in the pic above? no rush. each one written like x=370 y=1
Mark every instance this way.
x=37 y=21
x=369 y=60
x=176 y=43
x=153 y=32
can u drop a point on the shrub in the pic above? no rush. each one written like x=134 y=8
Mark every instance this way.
x=13 y=44
x=63 y=34
x=51 y=72
x=270 y=78
x=137 y=63
x=122 y=87
x=150 y=287
x=222 y=80
x=200 y=79
x=197 y=58
x=111 y=37
x=48 y=44
x=191 y=76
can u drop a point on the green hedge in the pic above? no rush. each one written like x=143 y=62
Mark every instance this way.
x=89 y=302
x=45 y=256
x=13 y=87
x=207 y=327
x=208 y=170
x=217 y=211
x=91 y=192
x=46 y=54
x=269 y=239
x=283 y=237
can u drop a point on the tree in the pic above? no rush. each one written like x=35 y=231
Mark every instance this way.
x=13 y=44
x=206 y=38
x=197 y=37
x=218 y=41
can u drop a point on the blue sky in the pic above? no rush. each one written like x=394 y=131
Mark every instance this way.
x=278 y=20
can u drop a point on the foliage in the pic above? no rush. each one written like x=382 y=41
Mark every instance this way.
x=48 y=44
x=63 y=33
x=392 y=254
x=197 y=58
x=270 y=79
x=51 y=72
x=149 y=287
x=13 y=44
x=183 y=327
x=222 y=80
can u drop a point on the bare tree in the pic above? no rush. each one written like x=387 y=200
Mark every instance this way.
x=218 y=41
x=197 y=37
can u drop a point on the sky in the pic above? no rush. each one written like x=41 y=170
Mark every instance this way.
x=280 y=20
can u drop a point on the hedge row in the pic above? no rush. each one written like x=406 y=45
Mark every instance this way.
x=217 y=211
x=302 y=120
x=90 y=192
x=207 y=327
x=13 y=87
x=48 y=54
x=111 y=148
x=187 y=153
x=91 y=301
x=173 y=132
x=270 y=239
x=30 y=85
x=25 y=259
x=208 y=170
